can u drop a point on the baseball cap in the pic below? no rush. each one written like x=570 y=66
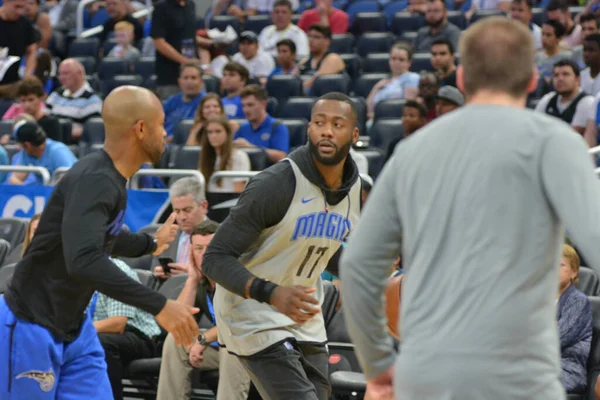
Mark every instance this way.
x=29 y=131
x=451 y=94
x=249 y=36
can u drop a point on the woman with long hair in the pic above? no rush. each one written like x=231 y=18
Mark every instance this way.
x=218 y=154
x=210 y=107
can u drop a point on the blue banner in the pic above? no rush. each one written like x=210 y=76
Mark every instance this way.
x=25 y=201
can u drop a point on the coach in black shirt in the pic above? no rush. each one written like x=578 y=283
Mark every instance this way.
x=117 y=10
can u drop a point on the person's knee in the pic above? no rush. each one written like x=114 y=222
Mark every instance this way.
x=108 y=343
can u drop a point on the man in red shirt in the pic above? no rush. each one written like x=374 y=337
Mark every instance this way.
x=324 y=14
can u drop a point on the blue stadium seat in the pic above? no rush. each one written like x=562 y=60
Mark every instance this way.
x=232 y=48
x=222 y=21
x=385 y=131
x=150 y=83
x=86 y=47
x=352 y=62
x=408 y=36
x=108 y=85
x=457 y=18
x=297 y=129
x=368 y=22
x=420 y=62
x=361 y=6
x=200 y=23
x=480 y=14
x=376 y=160
x=406 y=21
x=391 y=108
x=361 y=108
x=364 y=84
x=145 y=67
x=182 y=131
x=539 y=16
x=297 y=107
x=108 y=45
x=89 y=63
x=377 y=63
x=93 y=81
x=342 y=43
x=257 y=23
x=211 y=84
x=258 y=158
x=282 y=87
x=374 y=42
x=110 y=67
x=331 y=83
x=66 y=126
x=186 y=157
x=93 y=131
x=5 y=105
x=272 y=105
x=392 y=8
x=6 y=127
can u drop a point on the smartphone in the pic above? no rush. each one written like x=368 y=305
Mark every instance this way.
x=164 y=263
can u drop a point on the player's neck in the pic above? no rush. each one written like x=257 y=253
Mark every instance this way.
x=496 y=98
x=332 y=174
x=123 y=160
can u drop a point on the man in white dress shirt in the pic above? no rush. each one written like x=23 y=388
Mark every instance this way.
x=283 y=28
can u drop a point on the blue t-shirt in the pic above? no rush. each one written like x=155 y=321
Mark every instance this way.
x=3 y=161
x=279 y=71
x=266 y=136
x=233 y=107
x=176 y=110
x=397 y=87
x=56 y=155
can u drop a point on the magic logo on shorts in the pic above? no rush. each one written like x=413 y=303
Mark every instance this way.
x=322 y=224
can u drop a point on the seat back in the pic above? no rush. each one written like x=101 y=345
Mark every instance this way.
x=147 y=278
x=187 y=157
x=220 y=205
x=376 y=159
x=6 y=127
x=594 y=358
x=297 y=129
x=109 y=84
x=378 y=63
x=4 y=250
x=256 y=23
x=182 y=131
x=108 y=45
x=84 y=47
x=341 y=43
x=6 y=274
x=589 y=283
x=406 y=22
x=364 y=84
x=368 y=22
x=173 y=286
x=258 y=158
x=88 y=62
x=112 y=66
x=13 y=230
x=142 y=263
x=297 y=107
x=331 y=83
x=391 y=108
x=282 y=87
x=353 y=64
x=145 y=67
x=421 y=62
x=93 y=131
x=385 y=131
x=361 y=6
x=211 y=84
x=150 y=229
x=222 y=21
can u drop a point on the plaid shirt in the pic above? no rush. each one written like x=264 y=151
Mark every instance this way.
x=107 y=307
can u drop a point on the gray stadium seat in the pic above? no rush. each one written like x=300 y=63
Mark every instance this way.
x=6 y=273
x=108 y=45
x=84 y=47
x=5 y=104
x=376 y=159
x=297 y=129
x=368 y=22
x=341 y=43
x=142 y=263
x=331 y=83
x=457 y=18
x=256 y=23
x=364 y=84
x=385 y=131
x=93 y=131
x=258 y=158
x=145 y=67
x=480 y=14
x=110 y=67
x=4 y=250
x=182 y=131
x=6 y=127
x=109 y=84
x=297 y=107
x=589 y=283
x=377 y=63
x=420 y=62
x=406 y=21
x=11 y=150
x=391 y=108
x=211 y=84
x=173 y=286
x=374 y=42
x=187 y=157
x=88 y=62
x=282 y=87
x=66 y=126
x=150 y=229
x=13 y=230
x=353 y=64
x=147 y=278
x=272 y=105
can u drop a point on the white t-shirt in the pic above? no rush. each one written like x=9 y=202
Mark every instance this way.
x=361 y=162
x=582 y=112
x=593 y=111
x=261 y=65
x=588 y=84
x=270 y=36
x=266 y=6
x=536 y=31
x=239 y=162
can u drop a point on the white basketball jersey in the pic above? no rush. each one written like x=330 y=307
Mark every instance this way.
x=293 y=252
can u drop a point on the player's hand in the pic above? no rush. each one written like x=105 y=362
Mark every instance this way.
x=197 y=354
x=177 y=319
x=381 y=387
x=295 y=302
x=159 y=272
x=179 y=268
x=166 y=234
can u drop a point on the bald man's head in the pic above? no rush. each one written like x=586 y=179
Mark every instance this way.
x=71 y=74
x=135 y=116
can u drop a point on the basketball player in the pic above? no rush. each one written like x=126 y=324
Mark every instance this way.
x=49 y=348
x=480 y=197
x=288 y=223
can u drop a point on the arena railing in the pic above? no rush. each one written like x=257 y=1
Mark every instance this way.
x=57 y=174
x=97 y=29
x=166 y=173
x=230 y=174
x=29 y=169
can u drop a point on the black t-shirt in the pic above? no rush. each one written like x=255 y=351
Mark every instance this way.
x=17 y=36
x=175 y=24
x=67 y=259
x=109 y=26
x=450 y=80
x=52 y=127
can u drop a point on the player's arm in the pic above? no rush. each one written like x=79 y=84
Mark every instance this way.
x=87 y=207
x=129 y=244
x=374 y=243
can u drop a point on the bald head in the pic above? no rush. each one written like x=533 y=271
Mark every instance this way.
x=125 y=106
x=71 y=74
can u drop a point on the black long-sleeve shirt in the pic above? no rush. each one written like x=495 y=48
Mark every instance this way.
x=67 y=259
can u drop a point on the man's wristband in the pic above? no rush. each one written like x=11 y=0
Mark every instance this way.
x=261 y=290
x=153 y=244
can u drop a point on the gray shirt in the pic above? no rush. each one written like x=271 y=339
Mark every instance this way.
x=424 y=37
x=479 y=197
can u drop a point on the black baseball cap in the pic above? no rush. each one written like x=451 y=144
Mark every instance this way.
x=248 y=36
x=29 y=131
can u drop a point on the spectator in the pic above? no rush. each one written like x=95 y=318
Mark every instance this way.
x=38 y=151
x=521 y=10
x=75 y=100
x=575 y=324
x=590 y=80
x=17 y=252
x=438 y=27
x=40 y=21
x=174 y=33
x=429 y=85
x=125 y=332
x=558 y=10
x=235 y=77
x=569 y=102
x=118 y=12
x=183 y=105
x=286 y=58
x=361 y=161
x=552 y=33
x=188 y=200
x=31 y=99
x=589 y=25
x=414 y=117
x=17 y=39
x=261 y=130
x=210 y=107
x=218 y=154
x=253 y=7
x=403 y=84
x=321 y=61
x=124 y=49
x=15 y=111
x=177 y=363
x=324 y=14
x=3 y=161
x=282 y=28
x=259 y=64
x=448 y=99
x=442 y=60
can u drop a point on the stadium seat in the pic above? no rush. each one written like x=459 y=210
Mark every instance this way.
x=408 y=36
x=392 y=8
x=11 y=150
x=256 y=23
x=297 y=129
x=374 y=42
x=272 y=105
x=110 y=67
x=147 y=278
x=361 y=6
x=352 y=62
x=406 y=21
x=420 y=62
x=108 y=45
x=331 y=83
x=4 y=250
x=297 y=107
x=364 y=84
x=348 y=383
x=66 y=126
x=220 y=204
x=13 y=230
x=93 y=130
x=282 y=87
x=361 y=108
x=173 y=286
x=143 y=262
x=342 y=43
x=182 y=131
x=108 y=85
x=480 y=14
x=377 y=63
x=391 y=108
x=232 y=48
x=222 y=21
x=368 y=22
x=187 y=157
x=200 y=23
x=84 y=47
x=385 y=131
x=258 y=158
x=6 y=273
x=211 y=84
x=150 y=229
x=376 y=160
x=150 y=83
x=457 y=18
x=594 y=358
x=6 y=127
x=539 y=16
x=93 y=81
x=589 y=283
x=5 y=104
x=89 y=63
x=145 y=67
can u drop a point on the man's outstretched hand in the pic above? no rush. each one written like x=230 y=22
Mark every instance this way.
x=177 y=319
x=166 y=234
x=381 y=387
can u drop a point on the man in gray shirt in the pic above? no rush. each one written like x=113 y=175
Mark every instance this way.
x=479 y=198
x=438 y=27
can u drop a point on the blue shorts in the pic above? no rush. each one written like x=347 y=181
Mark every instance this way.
x=34 y=364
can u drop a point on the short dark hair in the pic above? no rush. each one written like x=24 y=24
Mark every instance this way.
x=30 y=85
x=443 y=42
x=559 y=29
x=289 y=43
x=255 y=90
x=187 y=65
x=283 y=3
x=418 y=106
x=528 y=3
x=407 y=47
x=339 y=96
x=568 y=63
x=561 y=5
x=441 y=1
x=205 y=228
x=239 y=69
x=588 y=17
x=594 y=37
x=323 y=30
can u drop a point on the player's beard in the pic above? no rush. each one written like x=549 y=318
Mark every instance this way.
x=337 y=157
x=154 y=151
